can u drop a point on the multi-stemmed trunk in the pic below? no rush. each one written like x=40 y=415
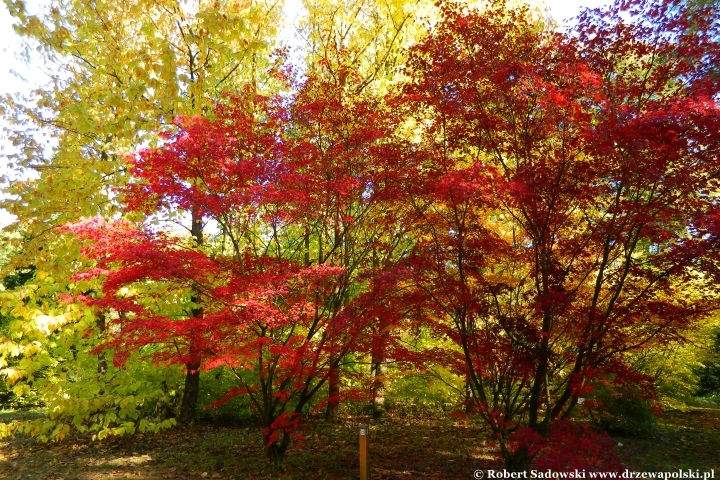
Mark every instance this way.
x=519 y=461
x=276 y=450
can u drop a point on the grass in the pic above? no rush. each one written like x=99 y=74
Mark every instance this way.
x=10 y=415
x=400 y=448
x=682 y=440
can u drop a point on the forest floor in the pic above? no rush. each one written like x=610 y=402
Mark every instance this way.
x=399 y=449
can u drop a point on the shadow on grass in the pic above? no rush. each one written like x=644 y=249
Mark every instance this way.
x=682 y=440
x=399 y=449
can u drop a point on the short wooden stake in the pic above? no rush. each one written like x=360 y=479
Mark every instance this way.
x=363 y=452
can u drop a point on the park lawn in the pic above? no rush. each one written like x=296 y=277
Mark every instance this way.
x=683 y=440
x=400 y=448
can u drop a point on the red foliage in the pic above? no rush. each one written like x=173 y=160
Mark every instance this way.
x=574 y=446
x=545 y=215
x=561 y=198
x=294 y=188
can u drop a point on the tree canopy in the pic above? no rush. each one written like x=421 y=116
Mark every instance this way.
x=523 y=208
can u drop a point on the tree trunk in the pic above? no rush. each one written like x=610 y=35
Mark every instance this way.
x=469 y=397
x=519 y=461
x=331 y=413
x=276 y=450
x=378 y=360
x=190 y=394
x=102 y=361
x=192 y=377
x=379 y=371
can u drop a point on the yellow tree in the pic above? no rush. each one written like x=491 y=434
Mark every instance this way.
x=118 y=73
x=369 y=35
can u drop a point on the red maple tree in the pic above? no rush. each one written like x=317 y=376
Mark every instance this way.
x=563 y=189
x=295 y=188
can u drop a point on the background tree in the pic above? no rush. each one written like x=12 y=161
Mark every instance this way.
x=709 y=372
x=369 y=36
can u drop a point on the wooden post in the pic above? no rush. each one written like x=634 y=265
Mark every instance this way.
x=363 y=452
